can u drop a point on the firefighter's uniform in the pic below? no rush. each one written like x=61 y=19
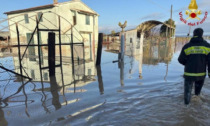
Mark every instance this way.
x=195 y=56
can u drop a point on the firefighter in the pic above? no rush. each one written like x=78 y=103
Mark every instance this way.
x=195 y=56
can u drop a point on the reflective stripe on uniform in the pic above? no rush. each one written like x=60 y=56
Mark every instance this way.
x=195 y=74
x=197 y=50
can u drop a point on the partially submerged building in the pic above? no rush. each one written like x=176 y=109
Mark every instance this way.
x=4 y=38
x=4 y=35
x=75 y=25
x=75 y=18
x=4 y=42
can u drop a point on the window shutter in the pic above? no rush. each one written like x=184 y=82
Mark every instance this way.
x=87 y=20
x=26 y=18
x=39 y=15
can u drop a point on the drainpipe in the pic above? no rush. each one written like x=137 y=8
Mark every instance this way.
x=93 y=41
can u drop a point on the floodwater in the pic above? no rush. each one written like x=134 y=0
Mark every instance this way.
x=144 y=90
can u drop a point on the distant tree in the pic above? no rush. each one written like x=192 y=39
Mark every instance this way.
x=154 y=32
x=163 y=28
x=113 y=33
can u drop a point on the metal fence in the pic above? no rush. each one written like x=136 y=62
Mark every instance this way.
x=27 y=69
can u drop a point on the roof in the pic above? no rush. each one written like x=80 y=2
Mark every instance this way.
x=148 y=25
x=30 y=9
x=130 y=30
x=86 y=12
x=4 y=33
x=81 y=11
x=51 y=6
x=88 y=7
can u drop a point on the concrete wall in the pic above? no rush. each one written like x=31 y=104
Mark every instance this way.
x=132 y=42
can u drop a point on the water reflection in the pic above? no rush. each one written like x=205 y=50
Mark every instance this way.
x=67 y=79
x=152 y=53
x=54 y=92
x=3 y=121
x=75 y=96
x=83 y=71
x=100 y=79
x=121 y=67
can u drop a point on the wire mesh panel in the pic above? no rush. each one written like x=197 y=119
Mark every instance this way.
x=79 y=60
x=30 y=48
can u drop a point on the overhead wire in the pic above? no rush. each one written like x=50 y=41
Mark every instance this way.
x=154 y=3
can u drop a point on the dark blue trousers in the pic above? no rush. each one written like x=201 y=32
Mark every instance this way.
x=188 y=89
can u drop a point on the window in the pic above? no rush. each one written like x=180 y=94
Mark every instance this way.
x=26 y=18
x=74 y=17
x=39 y=15
x=32 y=74
x=131 y=40
x=31 y=49
x=29 y=35
x=45 y=76
x=89 y=71
x=87 y=19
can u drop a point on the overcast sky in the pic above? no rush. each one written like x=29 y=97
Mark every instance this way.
x=134 y=11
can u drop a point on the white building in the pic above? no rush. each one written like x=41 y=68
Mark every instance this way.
x=74 y=15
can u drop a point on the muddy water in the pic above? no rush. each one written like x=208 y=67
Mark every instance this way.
x=144 y=90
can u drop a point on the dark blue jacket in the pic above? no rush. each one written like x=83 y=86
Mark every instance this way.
x=195 y=56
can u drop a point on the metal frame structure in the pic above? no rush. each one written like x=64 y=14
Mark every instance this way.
x=39 y=45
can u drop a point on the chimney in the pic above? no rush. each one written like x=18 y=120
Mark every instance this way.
x=55 y=1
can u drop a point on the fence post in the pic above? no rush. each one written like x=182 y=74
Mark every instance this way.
x=100 y=79
x=54 y=91
x=99 y=51
x=122 y=50
x=51 y=53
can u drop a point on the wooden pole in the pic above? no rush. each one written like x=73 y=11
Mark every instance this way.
x=100 y=40
x=51 y=53
x=100 y=79
x=54 y=91
x=2 y=118
x=121 y=65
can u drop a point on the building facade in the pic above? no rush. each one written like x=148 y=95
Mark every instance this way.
x=75 y=18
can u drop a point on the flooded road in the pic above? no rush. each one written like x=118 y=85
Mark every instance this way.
x=143 y=90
